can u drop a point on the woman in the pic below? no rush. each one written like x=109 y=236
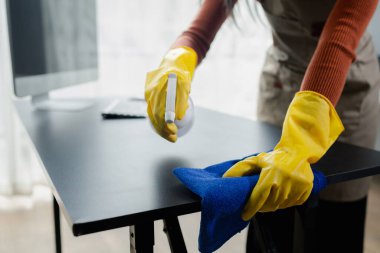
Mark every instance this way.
x=320 y=74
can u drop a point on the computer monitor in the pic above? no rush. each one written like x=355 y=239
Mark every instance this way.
x=53 y=45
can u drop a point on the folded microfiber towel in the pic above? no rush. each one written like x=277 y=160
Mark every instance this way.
x=223 y=200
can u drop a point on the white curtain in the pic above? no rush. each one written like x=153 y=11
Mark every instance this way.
x=134 y=35
x=19 y=170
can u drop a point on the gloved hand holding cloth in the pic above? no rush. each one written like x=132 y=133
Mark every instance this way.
x=310 y=127
x=182 y=62
x=233 y=191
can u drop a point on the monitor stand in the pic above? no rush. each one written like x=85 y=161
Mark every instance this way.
x=43 y=102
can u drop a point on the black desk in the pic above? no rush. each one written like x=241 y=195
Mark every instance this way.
x=107 y=174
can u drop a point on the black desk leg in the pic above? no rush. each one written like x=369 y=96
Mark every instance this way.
x=255 y=238
x=57 y=226
x=142 y=237
x=174 y=234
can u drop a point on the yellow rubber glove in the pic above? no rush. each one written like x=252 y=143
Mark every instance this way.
x=181 y=61
x=310 y=127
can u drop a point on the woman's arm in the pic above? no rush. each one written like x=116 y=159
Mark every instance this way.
x=203 y=29
x=326 y=73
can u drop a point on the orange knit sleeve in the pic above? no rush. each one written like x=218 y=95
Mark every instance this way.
x=327 y=71
x=204 y=27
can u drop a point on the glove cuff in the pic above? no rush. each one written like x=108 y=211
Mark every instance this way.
x=311 y=124
x=336 y=125
x=184 y=58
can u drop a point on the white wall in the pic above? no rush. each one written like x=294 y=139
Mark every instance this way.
x=374 y=29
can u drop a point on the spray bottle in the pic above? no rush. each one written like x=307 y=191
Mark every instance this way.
x=185 y=124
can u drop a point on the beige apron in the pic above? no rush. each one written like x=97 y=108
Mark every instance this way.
x=296 y=26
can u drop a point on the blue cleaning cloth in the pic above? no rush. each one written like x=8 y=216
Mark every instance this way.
x=223 y=200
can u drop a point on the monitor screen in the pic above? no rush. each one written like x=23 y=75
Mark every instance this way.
x=53 y=44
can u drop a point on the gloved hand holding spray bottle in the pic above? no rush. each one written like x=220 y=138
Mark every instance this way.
x=167 y=89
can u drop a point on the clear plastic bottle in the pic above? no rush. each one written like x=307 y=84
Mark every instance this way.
x=187 y=122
